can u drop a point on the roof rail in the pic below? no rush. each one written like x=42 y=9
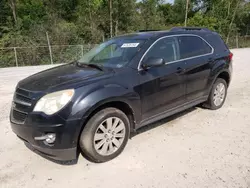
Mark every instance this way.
x=148 y=30
x=189 y=29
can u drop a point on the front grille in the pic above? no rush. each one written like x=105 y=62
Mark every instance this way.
x=22 y=92
x=22 y=108
x=22 y=105
x=18 y=116
x=22 y=98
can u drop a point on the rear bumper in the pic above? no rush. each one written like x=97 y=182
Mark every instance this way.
x=65 y=146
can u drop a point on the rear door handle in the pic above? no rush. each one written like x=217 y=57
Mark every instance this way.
x=180 y=70
x=210 y=60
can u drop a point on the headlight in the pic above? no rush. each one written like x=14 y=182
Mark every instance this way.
x=53 y=102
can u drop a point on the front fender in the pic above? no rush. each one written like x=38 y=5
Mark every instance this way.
x=84 y=105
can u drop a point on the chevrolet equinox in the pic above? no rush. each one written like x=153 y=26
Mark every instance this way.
x=93 y=104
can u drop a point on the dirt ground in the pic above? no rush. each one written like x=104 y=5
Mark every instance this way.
x=197 y=148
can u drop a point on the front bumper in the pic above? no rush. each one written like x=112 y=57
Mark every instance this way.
x=29 y=126
x=57 y=154
x=65 y=146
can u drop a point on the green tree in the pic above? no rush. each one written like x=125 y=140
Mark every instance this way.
x=30 y=13
x=5 y=17
x=150 y=15
x=167 y=12
x=25 y=22
x=200 y=20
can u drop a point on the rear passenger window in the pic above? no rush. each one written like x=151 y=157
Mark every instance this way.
x=191 y=46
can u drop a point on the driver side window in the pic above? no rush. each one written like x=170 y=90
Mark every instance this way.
x=109 y=52
x=165 y=48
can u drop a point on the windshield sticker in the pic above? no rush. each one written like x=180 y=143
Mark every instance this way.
x=130 y=45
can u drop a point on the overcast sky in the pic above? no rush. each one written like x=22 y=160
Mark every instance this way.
x=167 y=1
x=170 y=1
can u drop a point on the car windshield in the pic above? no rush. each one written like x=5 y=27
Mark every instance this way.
x=114 y=53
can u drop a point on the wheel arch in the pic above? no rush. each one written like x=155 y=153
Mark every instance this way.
x=225 y=76
x=120 y=104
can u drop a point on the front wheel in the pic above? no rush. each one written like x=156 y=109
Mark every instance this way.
x=217 y=95
x=105 y=135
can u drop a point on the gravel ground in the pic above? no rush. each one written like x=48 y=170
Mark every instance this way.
x=197 y=148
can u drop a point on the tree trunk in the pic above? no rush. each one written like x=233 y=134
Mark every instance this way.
x=90 y=16
x=230 y=26
x=110 y=18
x=116 y=27
x=12 y=4
x=186 y=14
x=228 y=9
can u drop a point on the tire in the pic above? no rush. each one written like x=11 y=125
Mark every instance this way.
x=97 y=143
x=211 y=102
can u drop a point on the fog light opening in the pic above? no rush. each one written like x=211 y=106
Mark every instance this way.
x=51 y=137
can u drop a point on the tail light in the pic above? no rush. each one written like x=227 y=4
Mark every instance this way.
x=231 y=56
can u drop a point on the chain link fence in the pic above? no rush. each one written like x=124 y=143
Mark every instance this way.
x=239 y=41
x=41 y=55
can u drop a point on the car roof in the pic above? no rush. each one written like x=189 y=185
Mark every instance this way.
x=140 y=35
x=149 y=34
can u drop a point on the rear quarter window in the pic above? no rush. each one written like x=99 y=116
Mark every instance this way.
x=191 y=46
x=216 y=41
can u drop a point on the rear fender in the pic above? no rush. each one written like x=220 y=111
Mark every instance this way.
x=218 y=68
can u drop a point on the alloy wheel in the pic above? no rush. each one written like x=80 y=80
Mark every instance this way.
x=109 y=136
x=219 y=94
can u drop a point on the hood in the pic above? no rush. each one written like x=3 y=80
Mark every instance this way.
x=62 y=76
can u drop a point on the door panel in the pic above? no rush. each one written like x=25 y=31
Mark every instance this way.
x=161 y=89
x=196 y=52
x=198 y=71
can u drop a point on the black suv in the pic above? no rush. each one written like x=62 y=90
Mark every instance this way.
x=92 y=105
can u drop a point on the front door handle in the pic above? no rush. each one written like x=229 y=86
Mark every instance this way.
x=180 y=70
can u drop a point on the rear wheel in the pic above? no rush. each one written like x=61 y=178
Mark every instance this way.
x=105 y=135
x=217 y=95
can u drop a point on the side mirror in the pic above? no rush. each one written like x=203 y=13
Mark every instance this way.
x=153 y=62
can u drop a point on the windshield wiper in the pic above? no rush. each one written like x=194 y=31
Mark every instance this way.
x=90 y=65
